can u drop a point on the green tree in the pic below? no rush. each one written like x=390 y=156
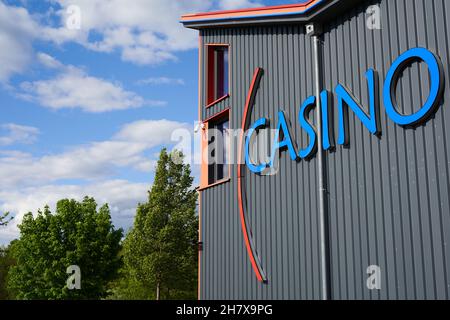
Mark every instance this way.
x=78 y=235
x=160 y=252
x=3 y=219
x=127 y=287
x=6 y=262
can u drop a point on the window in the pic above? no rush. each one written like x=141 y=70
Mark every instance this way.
x=219 y=150
x=218 y=73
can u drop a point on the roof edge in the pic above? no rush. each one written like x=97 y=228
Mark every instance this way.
x=251 y=13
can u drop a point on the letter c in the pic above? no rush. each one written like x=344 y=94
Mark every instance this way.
x=258 y=169
x=437 y=79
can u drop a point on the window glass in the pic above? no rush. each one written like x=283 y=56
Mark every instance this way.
x=218 y=73
x=219 y=151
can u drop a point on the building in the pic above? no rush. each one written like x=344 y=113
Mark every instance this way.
x=359 y=209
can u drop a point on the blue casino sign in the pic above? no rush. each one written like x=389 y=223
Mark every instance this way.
x=283 y=139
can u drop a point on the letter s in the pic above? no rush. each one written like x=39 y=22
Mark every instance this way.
x=305 y=124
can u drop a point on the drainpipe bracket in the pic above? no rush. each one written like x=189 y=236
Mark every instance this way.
x=314 y=29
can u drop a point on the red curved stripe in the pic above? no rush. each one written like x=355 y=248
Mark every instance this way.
x=254 y=259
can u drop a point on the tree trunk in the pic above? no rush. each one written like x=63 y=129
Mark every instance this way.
x=157 y=292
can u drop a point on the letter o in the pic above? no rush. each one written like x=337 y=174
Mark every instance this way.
x=436 y=91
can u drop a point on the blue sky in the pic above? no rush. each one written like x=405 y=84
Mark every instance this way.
x=84 y=111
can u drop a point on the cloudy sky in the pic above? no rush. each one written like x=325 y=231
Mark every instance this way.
x=85 y=108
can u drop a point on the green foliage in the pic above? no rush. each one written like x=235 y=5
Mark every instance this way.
x=3 y=219
x=6 y=262
x=127 y=287
x=160 y=252
x=77 y=234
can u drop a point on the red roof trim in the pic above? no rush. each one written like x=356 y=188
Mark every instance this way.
x=260 y=11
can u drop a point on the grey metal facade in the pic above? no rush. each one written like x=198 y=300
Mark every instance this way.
x=388 y=196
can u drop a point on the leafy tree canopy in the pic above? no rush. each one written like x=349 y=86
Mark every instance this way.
x=6 y=262
x=77 y=234
x=4 y=219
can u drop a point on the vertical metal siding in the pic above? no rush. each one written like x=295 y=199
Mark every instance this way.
x=285 y=226
x=388 y=197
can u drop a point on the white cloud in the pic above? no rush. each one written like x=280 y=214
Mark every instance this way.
x=149 y=131
x=144 y=32
x=74 y=88
x=49 y=61
x=238 y=4
x=17 y=30
x=156 y=81
x=97 y=160
x=15 y=133
x=122 y=197
x=28 y=182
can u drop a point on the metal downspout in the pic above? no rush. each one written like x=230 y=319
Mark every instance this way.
x=315 y=32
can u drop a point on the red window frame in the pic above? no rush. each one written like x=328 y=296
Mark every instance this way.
x=204 y=178
x=211 y=77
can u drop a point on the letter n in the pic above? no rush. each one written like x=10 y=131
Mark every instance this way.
x=371 y=121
